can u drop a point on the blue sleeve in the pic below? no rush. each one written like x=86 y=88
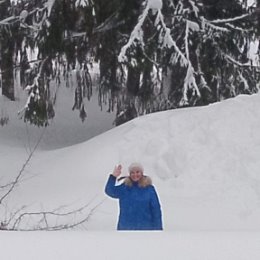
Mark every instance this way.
x=111 y=189
x=156 y=210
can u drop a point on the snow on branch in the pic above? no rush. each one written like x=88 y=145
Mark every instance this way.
x=238 y=28
x=190 y=83
x=228 y=20
x=186 y=40
x=235 y=62
x=34 y=91
x=206 y=23
x=44 y=12
x=244 y=80
x=82 y=3
x=109 y=24
x=167 y=40
x=49 y=4
x=193 y=27
x=194 y=7
x=204 y=83
x=136 y=35
x=9 y=20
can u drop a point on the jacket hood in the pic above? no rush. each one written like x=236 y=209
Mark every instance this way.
x=143 y=182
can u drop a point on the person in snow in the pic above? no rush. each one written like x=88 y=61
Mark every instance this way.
x=138 y=201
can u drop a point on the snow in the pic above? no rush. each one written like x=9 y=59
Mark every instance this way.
x=253 y=55
x=155 y=4
x=49 y=4
x=137 y=33
x=129 y=246
x=204 y=163
x=251 y=2
x=82 y=3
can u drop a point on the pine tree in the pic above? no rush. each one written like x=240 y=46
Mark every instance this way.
x=8 y=27
x=153 y=55
x=204 y=45
x=58 y=32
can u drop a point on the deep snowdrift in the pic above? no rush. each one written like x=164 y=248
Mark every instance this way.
x=204 y=163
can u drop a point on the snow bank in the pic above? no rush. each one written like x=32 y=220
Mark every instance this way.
x=205 y=165
x=203 y=161
x=129 y=246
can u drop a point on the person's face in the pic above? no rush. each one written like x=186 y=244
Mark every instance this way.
x=136 y=175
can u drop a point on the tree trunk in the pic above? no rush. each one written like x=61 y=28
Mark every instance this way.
x=258 y=16
x=6 y=60
x=133 y=80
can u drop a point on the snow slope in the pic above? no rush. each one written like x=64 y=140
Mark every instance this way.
x=204 y=163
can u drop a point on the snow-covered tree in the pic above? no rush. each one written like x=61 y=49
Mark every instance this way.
x=7 y=28
x=203 y=45
x=153 y=54
x=48 y=40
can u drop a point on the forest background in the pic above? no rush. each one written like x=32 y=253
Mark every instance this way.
x=141 y=56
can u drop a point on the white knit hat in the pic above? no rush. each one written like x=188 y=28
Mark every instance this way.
x=136 y=166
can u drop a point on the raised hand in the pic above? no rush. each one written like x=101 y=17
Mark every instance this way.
x=117 y=170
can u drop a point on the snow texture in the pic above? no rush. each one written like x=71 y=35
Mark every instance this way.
x=204 y=163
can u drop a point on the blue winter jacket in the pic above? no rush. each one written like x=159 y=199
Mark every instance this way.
x=139 y=206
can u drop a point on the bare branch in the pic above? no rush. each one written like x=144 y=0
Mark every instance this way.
x=18 y=177
x=45 y=217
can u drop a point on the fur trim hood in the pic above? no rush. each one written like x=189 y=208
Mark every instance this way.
x=143 y=182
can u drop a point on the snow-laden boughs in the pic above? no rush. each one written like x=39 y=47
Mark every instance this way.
x=57 y=30
x=82 y=3
x=39 y=108
x=206 y=43
x=152 y=54
x=136 y=35
x=194 y=42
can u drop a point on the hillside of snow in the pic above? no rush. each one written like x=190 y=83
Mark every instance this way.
x=204 y=163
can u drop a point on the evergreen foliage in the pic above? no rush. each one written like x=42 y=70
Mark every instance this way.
x=153 y=55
